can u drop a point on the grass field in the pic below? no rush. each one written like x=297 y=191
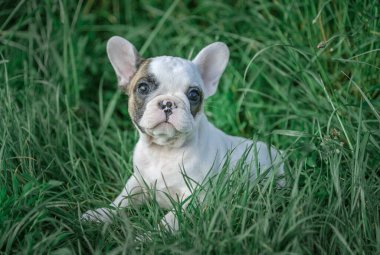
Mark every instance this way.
x=303 y=75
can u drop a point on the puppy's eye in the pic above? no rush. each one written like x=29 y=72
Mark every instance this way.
x=193 y=95
x=143 y=88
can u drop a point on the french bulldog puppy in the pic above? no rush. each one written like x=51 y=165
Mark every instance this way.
x=166 y=99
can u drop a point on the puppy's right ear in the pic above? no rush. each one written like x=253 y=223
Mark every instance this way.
x=124 y=59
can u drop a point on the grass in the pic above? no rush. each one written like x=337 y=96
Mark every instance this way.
x=66 y=139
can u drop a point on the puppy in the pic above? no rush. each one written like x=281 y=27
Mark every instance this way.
x=166 y=100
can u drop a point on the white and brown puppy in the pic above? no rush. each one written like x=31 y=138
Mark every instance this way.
x=166 y=98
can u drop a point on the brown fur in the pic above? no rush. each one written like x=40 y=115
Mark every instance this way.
x=195 y=109
x=136 y=105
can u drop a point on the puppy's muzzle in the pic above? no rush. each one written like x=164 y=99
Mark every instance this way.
x=167 y=106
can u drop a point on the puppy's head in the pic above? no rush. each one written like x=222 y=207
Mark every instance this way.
x=166 y=94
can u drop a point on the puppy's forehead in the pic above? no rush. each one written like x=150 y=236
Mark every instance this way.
x=174 y=72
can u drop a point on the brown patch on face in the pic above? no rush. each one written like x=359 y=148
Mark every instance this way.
x=196 y=107
x=137 y=102
x=142 y=71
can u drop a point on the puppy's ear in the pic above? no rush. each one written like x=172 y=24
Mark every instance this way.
x=124 y=59
x=211 y=62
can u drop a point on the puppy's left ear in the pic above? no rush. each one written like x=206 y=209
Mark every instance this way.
x=211 y=62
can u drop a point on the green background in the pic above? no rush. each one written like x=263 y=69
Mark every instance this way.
x=303 y=75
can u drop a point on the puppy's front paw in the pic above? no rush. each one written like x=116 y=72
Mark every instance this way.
x=100 y=215
x=170 y=222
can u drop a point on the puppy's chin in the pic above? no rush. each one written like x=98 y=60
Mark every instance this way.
x=164 y=130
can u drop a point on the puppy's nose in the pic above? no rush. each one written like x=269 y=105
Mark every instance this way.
x=166 y=105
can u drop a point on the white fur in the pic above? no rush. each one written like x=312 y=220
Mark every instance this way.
x=180 y=121
x=183 y=144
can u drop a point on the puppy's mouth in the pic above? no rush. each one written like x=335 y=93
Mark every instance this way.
x=163 y=129
x=165 y=125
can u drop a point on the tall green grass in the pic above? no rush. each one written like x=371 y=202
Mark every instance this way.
x=303 y=76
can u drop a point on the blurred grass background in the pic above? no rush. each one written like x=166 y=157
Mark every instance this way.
x=302 y=75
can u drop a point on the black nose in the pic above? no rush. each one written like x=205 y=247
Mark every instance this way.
x=166 y=104
x=169 y=104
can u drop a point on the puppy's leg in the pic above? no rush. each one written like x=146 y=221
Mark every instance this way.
x=170 y=220
x=131 y=191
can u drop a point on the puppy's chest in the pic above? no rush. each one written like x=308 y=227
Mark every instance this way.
x=164 y=169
